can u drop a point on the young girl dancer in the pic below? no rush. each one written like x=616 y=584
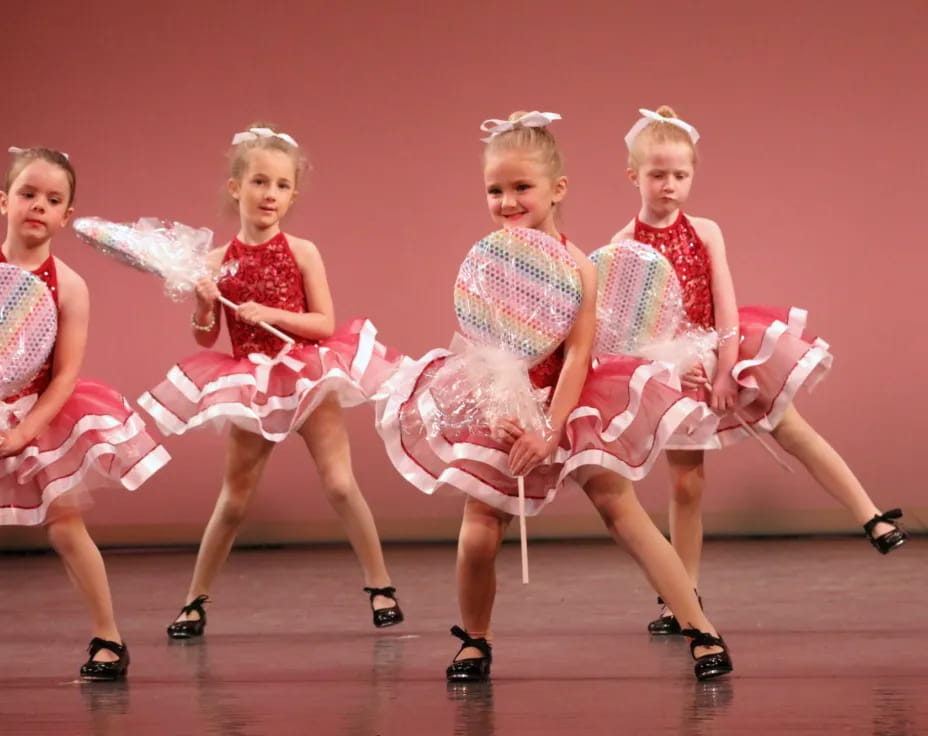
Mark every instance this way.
x=280 y=281
x=63 y=435
x=524 y=186
x=762 y=360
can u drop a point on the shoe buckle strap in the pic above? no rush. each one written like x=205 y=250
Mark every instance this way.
x=388 y=592
x=96 y=644
x=702 y=639
x=197 y=605
x=482 y=644
x=888 y=517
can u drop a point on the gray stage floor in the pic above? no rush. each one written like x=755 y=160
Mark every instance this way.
x=827 y=636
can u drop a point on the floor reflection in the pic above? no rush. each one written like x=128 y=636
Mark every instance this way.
x=366 y=706
x=704 y=705
x=473 y=708
x=217 y=701
x=894 y=712
x=107 y=704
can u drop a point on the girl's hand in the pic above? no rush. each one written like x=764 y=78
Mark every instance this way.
x=507 y=431
x=13 y=441
x=251 y=313
x=724 y=393
x=531 y=449
x=694 y=378
x=207 y=293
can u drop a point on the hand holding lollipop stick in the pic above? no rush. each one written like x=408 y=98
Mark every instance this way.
x=707 y=384
x=508 y=432
x=175 y=252
x=483 y=389
x=230 y=268
x=516 y=297
x=639 y=311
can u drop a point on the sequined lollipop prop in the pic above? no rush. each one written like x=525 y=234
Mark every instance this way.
x=175 y=252
x=639 y=301
x=639 y=311
x=28 y=327
x=518 y=289
x=517 y=294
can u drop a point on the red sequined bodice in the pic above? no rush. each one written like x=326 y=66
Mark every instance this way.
x=267 y=274
x=48 y=273
x=546 y=373
x=680 y=244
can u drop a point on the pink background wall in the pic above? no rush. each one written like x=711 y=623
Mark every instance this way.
x=813 y=161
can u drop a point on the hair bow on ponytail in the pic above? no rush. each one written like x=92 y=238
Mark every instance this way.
x=536 y=119
x=648 y=117
x=253 y=134
x=16 y=150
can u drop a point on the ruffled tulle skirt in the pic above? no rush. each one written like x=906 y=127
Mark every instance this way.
x=628 y=410
x=95 y=441
x=775 y=359
x=271 y=396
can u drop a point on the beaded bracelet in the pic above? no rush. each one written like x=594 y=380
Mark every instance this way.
x=727 y=335
x=203 y=328
x=548 y=432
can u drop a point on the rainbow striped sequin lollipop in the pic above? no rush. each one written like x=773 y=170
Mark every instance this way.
x=518 y=289
x=639 y=301
x=28 y=327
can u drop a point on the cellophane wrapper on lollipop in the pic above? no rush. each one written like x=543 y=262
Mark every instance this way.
x=174 y=251
x=481 y=386
x=640 y=310
x=684 y=352
x=516 y=297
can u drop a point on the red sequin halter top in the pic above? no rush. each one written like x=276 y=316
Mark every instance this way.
x=680 y=244
x=267 y=274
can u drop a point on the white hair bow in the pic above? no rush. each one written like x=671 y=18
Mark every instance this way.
x=648 y=117
x=252 y=134
x=16 y=150
x=535 y=119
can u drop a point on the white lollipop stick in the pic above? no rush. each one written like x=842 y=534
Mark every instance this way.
x=273 y=330
x=522 y=530
x=753 y=432
x=770 y=451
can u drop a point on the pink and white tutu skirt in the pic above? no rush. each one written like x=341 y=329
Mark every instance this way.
x=271 y=396
x=95 y=441
x=775 y=359
x=627 y=412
